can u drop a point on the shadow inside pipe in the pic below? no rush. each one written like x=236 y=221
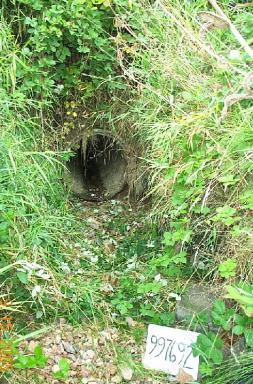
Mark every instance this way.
x=98 y=169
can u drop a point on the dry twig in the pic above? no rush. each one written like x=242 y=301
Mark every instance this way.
x=233 y=29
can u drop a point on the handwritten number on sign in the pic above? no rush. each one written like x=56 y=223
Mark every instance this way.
x=153 y=341
x=169 y=346
x=161 y=342
x=172 y=356
x=187 y=357
x=158 y=342
x=181 y=348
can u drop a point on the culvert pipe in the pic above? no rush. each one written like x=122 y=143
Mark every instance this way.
x=99 y=168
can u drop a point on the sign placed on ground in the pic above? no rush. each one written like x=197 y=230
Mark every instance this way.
x=170 y=350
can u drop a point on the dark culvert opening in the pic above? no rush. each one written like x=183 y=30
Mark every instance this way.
x=98 y=169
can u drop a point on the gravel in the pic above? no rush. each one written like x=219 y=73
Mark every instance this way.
x=92 y=355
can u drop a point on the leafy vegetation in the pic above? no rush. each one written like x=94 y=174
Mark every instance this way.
x=152 y=73
x=37 y=359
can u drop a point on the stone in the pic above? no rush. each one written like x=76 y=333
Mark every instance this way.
x=116 y=379
x=68 y=347
x=71 y=357
x=196 y=300
x=112 y=370
x=32 y=345
x=57 y=358
x=85 y=373
x=57 y=339
x=89 y=355
x=126 y=372
x=55 y=368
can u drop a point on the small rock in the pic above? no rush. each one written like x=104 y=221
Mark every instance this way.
x=196 y=300
x=84 y=372
x=112 y=370
x=71 y=357
x=47 y=341
x=130 y=322
x=68 y=347
x=57 y=339
x=55 y=368
x=116 y=379
x=32 y=345
x=89 y=355
x=101 y=340
x=126 y=372
x=57 y=358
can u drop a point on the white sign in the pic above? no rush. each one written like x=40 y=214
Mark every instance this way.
x=169 y=350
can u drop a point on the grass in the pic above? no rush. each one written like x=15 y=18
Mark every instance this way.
x=235 y=371
x=34 y=216
x=196 y=164
x=197 y=171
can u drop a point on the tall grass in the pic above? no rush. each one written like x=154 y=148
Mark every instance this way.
x=235 y=371
x=34 y=220
x=197 y=165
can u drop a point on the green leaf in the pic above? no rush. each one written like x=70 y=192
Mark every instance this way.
x=83 y=49
x=219 y=307
x=149 y=287
x=225 y=215
x=167 y=318
x=179 y=258
x=248 y=333
x=64 y=364
x=217 y=356
x=229 y=179
x=238 y=329
x=41 y=359
x=25 y=362
x=204 y=341
x=168 y=238
x=243 y=295
x=146 y=310
x=206 y=369
x=228 y=268
x=21 y=362
x=23 y=277
x=241 y=320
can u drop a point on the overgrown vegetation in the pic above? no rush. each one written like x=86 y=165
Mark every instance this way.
x=150 y=71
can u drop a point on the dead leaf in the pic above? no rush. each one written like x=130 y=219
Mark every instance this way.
x=184 y=377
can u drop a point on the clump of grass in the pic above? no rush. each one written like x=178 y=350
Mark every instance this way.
x=199 y=167
x=35 y=223
x=235 y=371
